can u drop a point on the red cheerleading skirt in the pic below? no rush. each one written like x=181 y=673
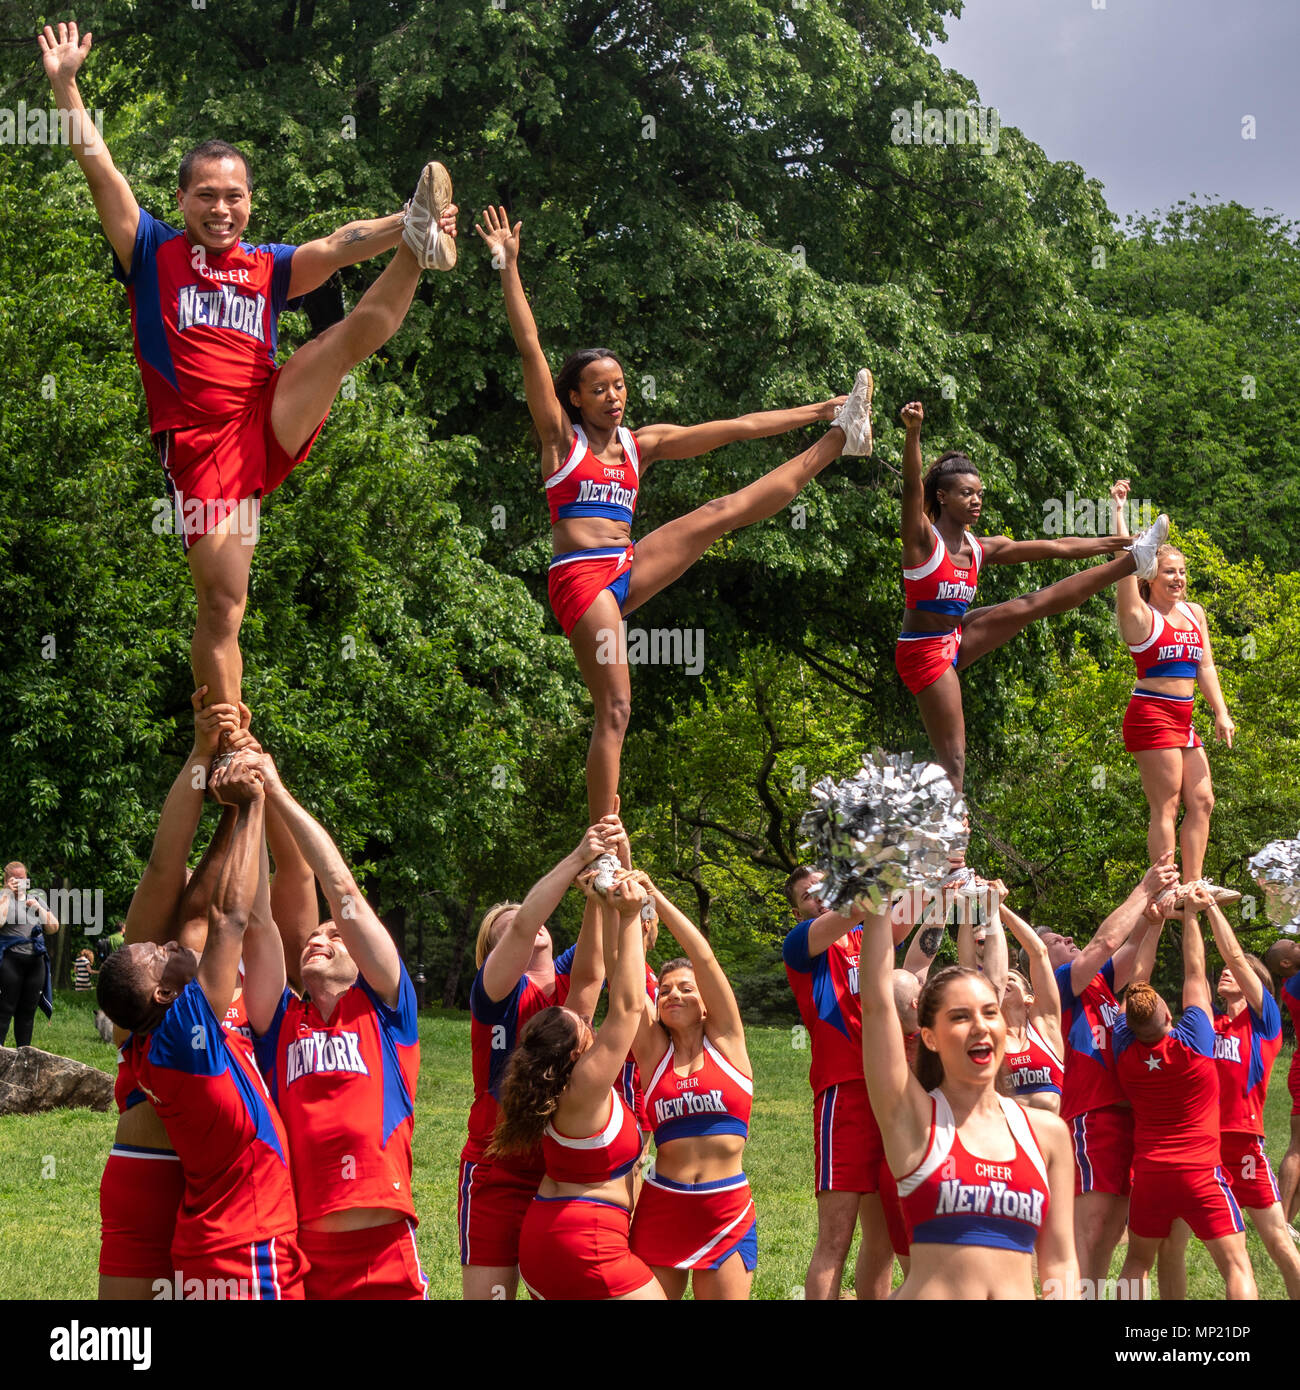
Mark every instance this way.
x=681 y=1225
x=922 y=657
x=1153 y=720
x=577 y=1248
x=574 y=580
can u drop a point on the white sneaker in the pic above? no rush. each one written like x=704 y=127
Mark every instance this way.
x=854 y=417
x=433 y=248
x=1145 y=548
x=606 y=867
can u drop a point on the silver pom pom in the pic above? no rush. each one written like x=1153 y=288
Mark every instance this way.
x=894 y=825
x=1276 y=868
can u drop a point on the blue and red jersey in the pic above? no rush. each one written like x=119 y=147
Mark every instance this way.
x=1245 y=1049
x=1173 y=648
x=494 y=1030
x=126 y=1090
x=346 y=1090
x=1088 y=1025
x=940 y=585
x=1291 y=998
x=1174 y=1088
x=583 y=485
x=826 y=992
x=205 y=1085
x=205 y=322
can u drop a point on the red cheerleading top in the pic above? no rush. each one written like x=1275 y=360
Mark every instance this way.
x=939 y=586
x=1245 y=1049
x=953 y=1197
x=1088 y=1024
x=126 y=1088
x=717 y=1099
x=610 y=1153
x=210 y=1096
x=1174 y=1087
x=346 y=1091
x=585 y=486
x=1037 y=1068
x=1173 y=649
x=204 y=322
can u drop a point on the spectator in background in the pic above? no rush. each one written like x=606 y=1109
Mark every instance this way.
x=25 y=982
x=83 y=969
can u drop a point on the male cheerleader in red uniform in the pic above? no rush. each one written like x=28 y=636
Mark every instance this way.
x=1283 y=960
x=1092 y=1103
x=1248 y=1038
x=342 y=1064
x=228 y=424
x=1168 y=1072
x=853 y=1182
x=235 y=1233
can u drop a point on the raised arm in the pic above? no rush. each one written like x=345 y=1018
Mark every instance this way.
x=539 y=386
x=509 y=958
x=1251 y=986
x=599 y=1067
x=232 y=903
x=900 y=1105
x=923 y=948
x=315 y=261
x=152 y=913
x=1115 y=931
x=1134 y=617
x=264 y=967
x=918 y=531
x=588 y=974
x=365 y=936
x=63 y=54
x=723 y=1025
x=1146 y=946
x=1207 y=677
x=827 y=930
x=1045 y=1014
x=690 y=441
x=1002 y=550
x=1196 y=987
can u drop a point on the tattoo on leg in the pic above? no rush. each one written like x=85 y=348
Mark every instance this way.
x=355 y=234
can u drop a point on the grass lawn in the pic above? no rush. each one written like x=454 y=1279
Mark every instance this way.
x=50 y=1167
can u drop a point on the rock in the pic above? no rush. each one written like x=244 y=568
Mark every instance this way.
x=32 y=1081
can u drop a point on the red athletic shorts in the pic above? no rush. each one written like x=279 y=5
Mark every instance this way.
x=922 y=657
x=1200 y=1196
x=577 y=1248
x=1246 y=1166
x=1159 y=721
x=139 y=1196
x=267 y=1270
x=848 y=1151
x=373 y=1263
x=695 y=1225
x=491 y=1203
x=1103 y=1150
x=212 y=467
x=1293 y=1082
x=575 y=578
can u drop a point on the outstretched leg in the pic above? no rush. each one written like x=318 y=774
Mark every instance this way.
x=945 y=724
x=984 y=629
x=310 y=379
x=667 y=553
x=602 y=659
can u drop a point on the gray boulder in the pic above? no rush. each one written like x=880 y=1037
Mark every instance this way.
x=32 y=1081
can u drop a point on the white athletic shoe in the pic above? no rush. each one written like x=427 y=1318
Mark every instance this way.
x=433 y=248
x=606 y=867
x=1144 y=549
x=854 y=417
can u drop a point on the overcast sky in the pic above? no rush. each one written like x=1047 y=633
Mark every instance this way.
x=1146 y=95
